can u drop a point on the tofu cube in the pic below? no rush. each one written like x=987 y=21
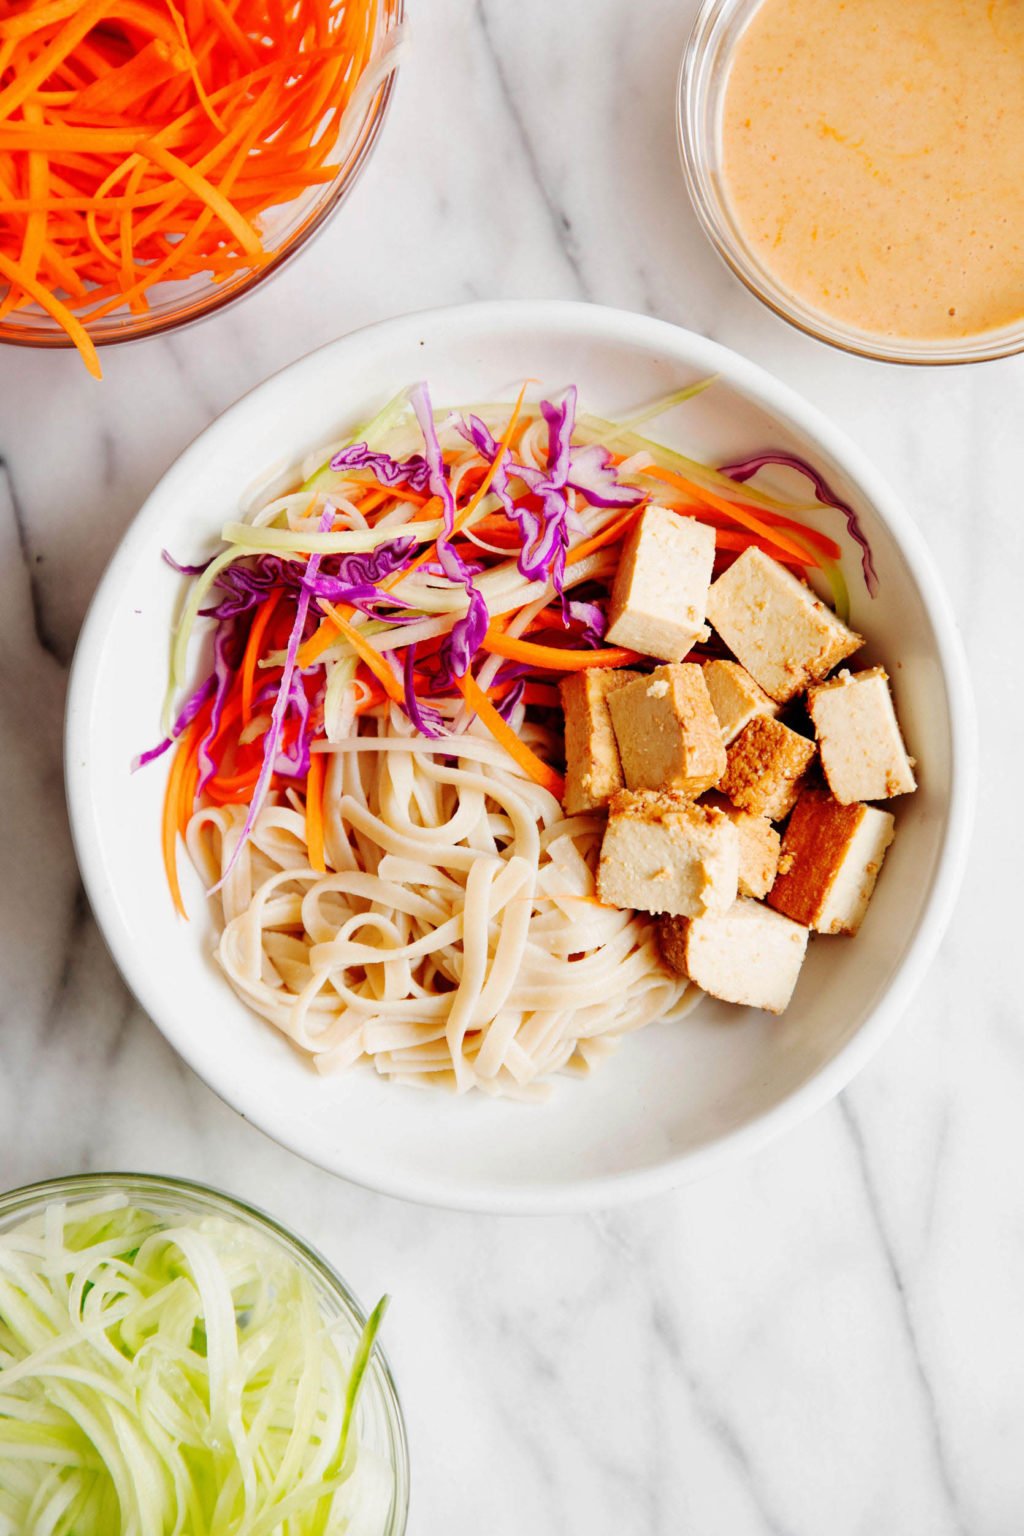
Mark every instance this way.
x=662 y=853
x=859 y=739
x=661 y=585
x=759 y=847
x=593 y=771
x=766 y=768
x=748 y=955
x=667 y=731
x=735 y=697
x=831 y=855
x=774 y=624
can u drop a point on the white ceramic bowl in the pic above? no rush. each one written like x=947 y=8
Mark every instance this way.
x=674 y=1101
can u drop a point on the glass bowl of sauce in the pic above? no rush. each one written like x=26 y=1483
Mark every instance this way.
x=857 y=163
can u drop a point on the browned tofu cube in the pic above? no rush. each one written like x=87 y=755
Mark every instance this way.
x=662 y=853
x=735 y=697
x=831 y=855
x=775 y=625
x=759 y=846
x=748 y=955
x=592 y=769
x=667 y=731
x=766 y=768
x=661 y=585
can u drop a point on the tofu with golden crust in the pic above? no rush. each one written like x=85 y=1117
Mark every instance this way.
x=775 y=626
x=831 y=856
x=748 y=955
x=661 y=585
x=593 y=771
x=663 y=853
x=735 y=697
x=759 y=846
x=766 y=768
x=667 y=731
x=862 y=751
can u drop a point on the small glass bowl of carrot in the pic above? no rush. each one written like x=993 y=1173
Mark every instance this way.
x=159 y=158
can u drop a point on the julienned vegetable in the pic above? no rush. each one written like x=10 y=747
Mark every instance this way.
x=445 y=564
x=175 y=1380
x=142 y=143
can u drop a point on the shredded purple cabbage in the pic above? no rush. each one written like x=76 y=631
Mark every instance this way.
x=228 y=647
x=246 y=586
x=746 y=469
x=507 y=704
x=462 y=644
x=593 y=618
x=415 y=471
x=191 y=707
x=185 y=570
x=272 y=739
x=592 y=473
x=543 y=530
x=340 y=578
x=428 y=721
x=354 y=578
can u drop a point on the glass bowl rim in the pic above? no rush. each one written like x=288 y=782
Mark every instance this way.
x=27 y=1197
x=692 y=89
x=142 y=327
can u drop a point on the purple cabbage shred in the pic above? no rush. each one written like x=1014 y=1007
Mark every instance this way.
x=593 y=618
x=185 y=570
x=426 y=720
x=414 y=471
x=191 y=707
x=746 y=469
x=462 y=644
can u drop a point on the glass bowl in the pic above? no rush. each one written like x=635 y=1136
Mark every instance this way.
x=379 y=1420
x=285 y=230
x=703 y=77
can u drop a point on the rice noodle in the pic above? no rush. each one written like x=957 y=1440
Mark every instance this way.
x=455 y=940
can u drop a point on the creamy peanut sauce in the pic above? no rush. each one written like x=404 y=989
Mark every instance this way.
x=873 y=156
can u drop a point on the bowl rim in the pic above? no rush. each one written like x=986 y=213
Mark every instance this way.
x=145 y=326
x=691 y=85
x=73 y=1186
x=606 y=325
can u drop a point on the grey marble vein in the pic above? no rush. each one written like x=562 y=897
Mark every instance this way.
x=901 y=1297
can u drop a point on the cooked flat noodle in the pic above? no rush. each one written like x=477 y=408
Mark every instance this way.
x=456 y=938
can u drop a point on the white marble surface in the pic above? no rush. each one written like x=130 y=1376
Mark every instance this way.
x=828 y=1338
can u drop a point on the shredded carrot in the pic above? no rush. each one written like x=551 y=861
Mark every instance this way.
x=730 y=509
x=552 y=658
x=253 y=647
x=143 y=141
x=45 y=299
x=731 y=539
x=533 y=766
x=313 y=648
x=175 y=801
x=371 y=659
x=543 y=694
x=315 y=812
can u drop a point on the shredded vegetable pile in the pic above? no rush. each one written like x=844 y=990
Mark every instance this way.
x=369 y=776
x=158 y=1379
x=141 y=142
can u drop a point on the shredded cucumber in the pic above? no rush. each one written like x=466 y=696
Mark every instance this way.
x=592 y=429
x=175 y=1380
x=373 y=433
x=661 y=407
